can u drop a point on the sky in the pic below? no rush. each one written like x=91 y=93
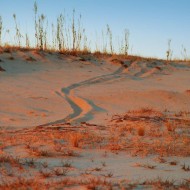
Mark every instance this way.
x=151 y=23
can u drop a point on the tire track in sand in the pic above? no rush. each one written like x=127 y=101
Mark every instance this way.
x=83 y=109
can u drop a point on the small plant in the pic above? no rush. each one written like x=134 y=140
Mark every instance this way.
x=74 y=139
x=36 y=25
x=9 y=159
x=97 y=169
x=184 y=53
x=70 y=153
x=86 y=172
x=169 y=51
x=60 y=34
x=44 y=153
x=27 y=43
x=30 y=162
x=185 y=168
x=66 y=164
x=38 y=152
x=45 y=173
x=126 y=43
x=18 y=35
x=148 y=166
x=74 y=35
x=109 y=33
x=141 y=131
x=44 y=164
x=110 y=174
x=61 y=171
x=160 y=160
x=1 y=29
x=173 y=163
x=170 y=126
x=42 y=32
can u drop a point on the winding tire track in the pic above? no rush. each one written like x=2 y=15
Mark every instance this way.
x=83 y=109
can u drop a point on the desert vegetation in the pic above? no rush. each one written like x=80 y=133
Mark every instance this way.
x=68 y=36
x=46 y=153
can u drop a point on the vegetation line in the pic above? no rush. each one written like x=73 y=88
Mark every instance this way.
x=68 y=36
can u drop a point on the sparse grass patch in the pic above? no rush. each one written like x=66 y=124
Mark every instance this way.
x=10 y=159
x=185 y=168
x=170 y=126
x=30 y=162
x=120 y=137
x=164 y=136
x=97 y=169
x=61 y=171
x=70 y=153
x=67 y=164
x=148 y=166
x=103 y=164
x=109 y=175
x=44 y=153
x=46 y=173
x=74 y=139
x=44 y=164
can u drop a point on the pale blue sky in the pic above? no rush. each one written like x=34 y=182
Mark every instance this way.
x=150 y=22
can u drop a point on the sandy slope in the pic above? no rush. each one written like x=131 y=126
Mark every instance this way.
x=42 y=93
x=56 y=88
x=30 y=90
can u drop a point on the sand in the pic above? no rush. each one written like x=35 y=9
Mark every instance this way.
x=42 y=91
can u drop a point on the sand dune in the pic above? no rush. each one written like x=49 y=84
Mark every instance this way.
x=79 y=91
x=49 y=99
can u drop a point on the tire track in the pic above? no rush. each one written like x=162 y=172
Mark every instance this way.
x=83 y=109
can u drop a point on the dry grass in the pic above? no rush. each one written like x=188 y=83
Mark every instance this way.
x=11 y=160
x=185 y=168
x=68 y=36
x=74 y=139
x=170 y=126
x=61 y=171
x=164 y=136
x=92 y=183
x=148 y=166
x=139 y=133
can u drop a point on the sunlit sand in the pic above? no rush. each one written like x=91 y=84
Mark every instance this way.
x=89 y=121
